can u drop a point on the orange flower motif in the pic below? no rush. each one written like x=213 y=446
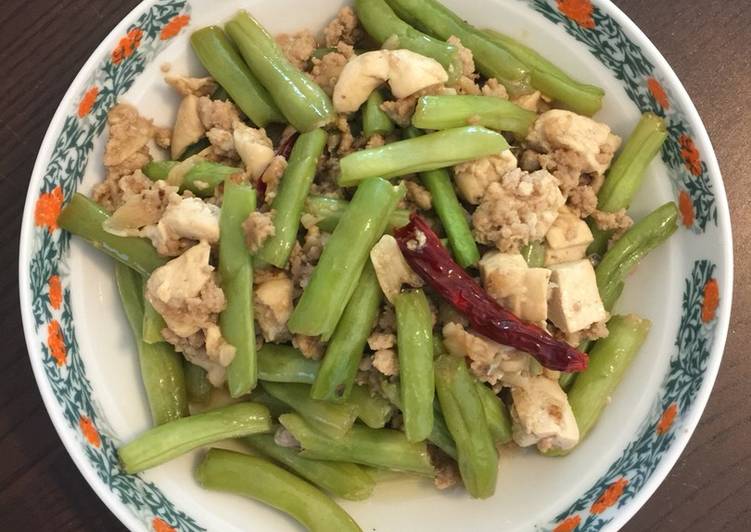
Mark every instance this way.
x=658 y=93
x=174 y=26
x=711 y=301
x=580 y=11
x=56 y=291
x=160 y=525
x=666 y=420
x=686 y=207
x=48 y=208
x=56 y=342
x=568 y=524
x=87 y=102
x=690 y=154
x=127 y=45
x=89 y=431
x=610 y=496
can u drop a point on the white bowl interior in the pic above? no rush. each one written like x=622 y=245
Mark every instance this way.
x=532 y=489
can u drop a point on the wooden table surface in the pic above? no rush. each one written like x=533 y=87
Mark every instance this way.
x=43 y=43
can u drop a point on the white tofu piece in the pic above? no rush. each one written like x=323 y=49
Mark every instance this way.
x=391 y=268
x=515 y=286
x=574 y=302
x=542 y=415
x=567 y=239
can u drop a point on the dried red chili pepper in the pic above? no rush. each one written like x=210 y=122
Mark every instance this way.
x=431 y=261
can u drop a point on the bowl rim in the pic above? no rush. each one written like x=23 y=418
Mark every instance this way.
x=691 y=419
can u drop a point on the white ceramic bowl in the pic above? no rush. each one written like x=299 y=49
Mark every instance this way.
x=85 y=363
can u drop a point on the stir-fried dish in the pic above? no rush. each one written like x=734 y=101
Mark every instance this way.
x=395 y=245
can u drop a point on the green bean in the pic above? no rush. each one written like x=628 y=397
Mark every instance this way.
x=302 y=102
x=381 y=23
x=374 y=119
x=161 y=367
x=534 y=254
x=414 y=325
x=465 y=416
x=608 y=362
x=344 y=352
x=275 y=406
x=220 y=57
x=259 y=479
x=236 y=271
x=153 y=323
x=551 y=80
x=165 y=442
x=373 y=410
x=284 y=363
x=328 y=211
x=566 y=380
x=290 y=198
x=496 y=414
x=197 y=383
x=491 y=60
x=318 y=53
x=84 y=218
x=627 y=172
x=333 y=420
x=342 y=479
x=335 y=276
x=156 y=170
x=443 y=112
x=643 y=237
x=451 y=213
x=429 y=152
x=205 y=176
x=384 y=448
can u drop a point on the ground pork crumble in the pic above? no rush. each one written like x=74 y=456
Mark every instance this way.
x=343 y=28
x=258 y=227
x=297 y=47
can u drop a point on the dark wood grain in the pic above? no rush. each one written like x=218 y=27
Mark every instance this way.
x=43 y=45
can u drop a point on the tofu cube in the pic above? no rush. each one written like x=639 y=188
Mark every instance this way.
x=567 y=239
x=515 y=286
x=574 y=302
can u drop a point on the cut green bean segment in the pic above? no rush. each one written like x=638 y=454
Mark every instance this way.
x=608 y=361
x=197 y=383
x=443 y=112
x=165 y=442
x=421 y=154
x=373 y=410
x=275 y=406
x=161 y=368
x=290 y=197
x=336 y=275
x=236 y=271
x=414 y=325
x=303 y=103
x=153 y=324
x=259 y=479
x=284 y=363
x=491 y=60
x=83 y=217
x=627 y=173
x=334 y=420
x=194 y=149
x=550 y=80
x=374 y=119
x=220 y=57
x=637 y=242
x=454 y=218
x=566 y=380
x=381 y=23
x=326 y=212
x=465 y=416
x=342 y=479
x=534 y=254
x=156 y=170
x=343 y=353
x=496 y=414
x=384 y=448
x=204 y=176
